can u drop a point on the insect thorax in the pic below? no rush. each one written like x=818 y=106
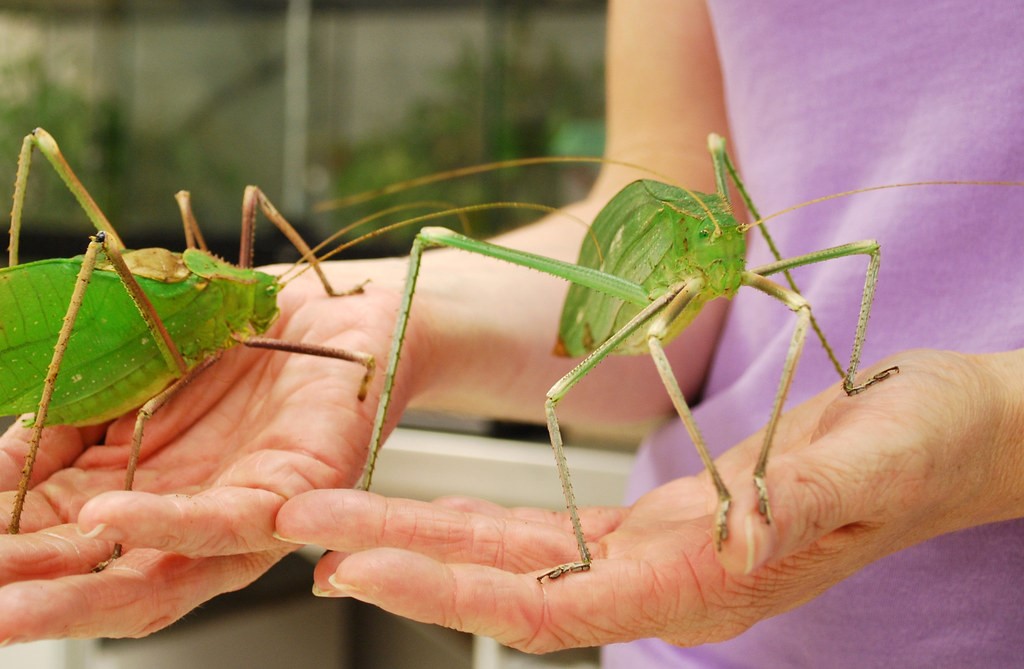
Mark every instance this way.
x=706 y=241
x=252 y=294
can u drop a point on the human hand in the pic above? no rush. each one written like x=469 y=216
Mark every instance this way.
x=217 y=463
x=852 y=479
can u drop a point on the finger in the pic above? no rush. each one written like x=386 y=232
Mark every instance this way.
x=56 y=551
x=220 y=521
x=834 y=492
x=615 y=601
x=597 y=521
x=137 y=595
x=58 y=448
x=351 y=521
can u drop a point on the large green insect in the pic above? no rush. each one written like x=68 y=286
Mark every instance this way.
x=657 y=254
x=86 y=339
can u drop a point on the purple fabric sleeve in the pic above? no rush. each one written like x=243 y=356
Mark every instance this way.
x=825 y=97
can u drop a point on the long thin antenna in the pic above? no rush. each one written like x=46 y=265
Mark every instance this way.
x=868 y=189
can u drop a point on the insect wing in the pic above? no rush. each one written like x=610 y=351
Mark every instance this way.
x=111 y=364
x=630 y=238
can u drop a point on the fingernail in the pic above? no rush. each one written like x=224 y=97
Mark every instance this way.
x=340 y=589
x=94 y=532
x=326 y=592
x=760 y=544
x=748 y=529
x=287 y=540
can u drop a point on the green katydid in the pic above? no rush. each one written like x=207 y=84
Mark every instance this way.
x=631 y=297
x=85 y=339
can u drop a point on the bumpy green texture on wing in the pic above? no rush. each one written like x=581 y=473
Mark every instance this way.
x=112 y=364
x=657 y=236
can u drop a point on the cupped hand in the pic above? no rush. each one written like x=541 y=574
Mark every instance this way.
x=852 y=479
x=217 y=463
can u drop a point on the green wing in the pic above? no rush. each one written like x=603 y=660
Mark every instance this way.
x=655 y=236
x=112 y=364
x=631 y=238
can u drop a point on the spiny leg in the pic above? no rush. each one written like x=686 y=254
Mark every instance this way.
x=47 y=145
x=661 y=362
x=591 y=278
x=435 y=236
x=798 y=304
x=142 y=417
x=723 y=164
x=867 y=247
x=358 y=357
x=561 y=388
x=254 y=197
x=193 y=235
x=394 y=355
x=159 y=401
x=50 y=382
x=668 y=379
x=112 y=244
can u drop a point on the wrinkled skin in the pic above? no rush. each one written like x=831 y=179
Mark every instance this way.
x=851 y=480
x=217 y=465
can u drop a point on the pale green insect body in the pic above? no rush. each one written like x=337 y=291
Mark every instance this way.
x=675 y=235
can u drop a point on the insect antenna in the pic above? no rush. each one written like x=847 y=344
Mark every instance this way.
x=759 y=220
x=869 y=189
x=461 y=172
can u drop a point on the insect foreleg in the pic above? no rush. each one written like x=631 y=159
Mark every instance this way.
x=668 y=378
x=798 y=304
x=560 y=389
x=50 y=382
x=867 y=247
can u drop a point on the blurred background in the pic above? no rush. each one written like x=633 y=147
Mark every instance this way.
x=311 y=100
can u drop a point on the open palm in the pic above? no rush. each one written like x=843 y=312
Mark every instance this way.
x=253 y=430
x=852 y=479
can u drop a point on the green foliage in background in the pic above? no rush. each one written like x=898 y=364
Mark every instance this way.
x=90 y=130
x=473 y=119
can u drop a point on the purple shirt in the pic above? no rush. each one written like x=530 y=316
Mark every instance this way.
x=825 y=97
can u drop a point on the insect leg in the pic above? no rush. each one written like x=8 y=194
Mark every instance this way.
x=654 y=343
x=358 y=357
x=146 y=412
x=112 y=244
x=436 y=236
x=555 y=395
x=867 y=247
x=193 y=235
x=253 y=198
x=50 y=382
x=797 y=303
x=397 y=340
x=723 y=163
x=47 y=145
